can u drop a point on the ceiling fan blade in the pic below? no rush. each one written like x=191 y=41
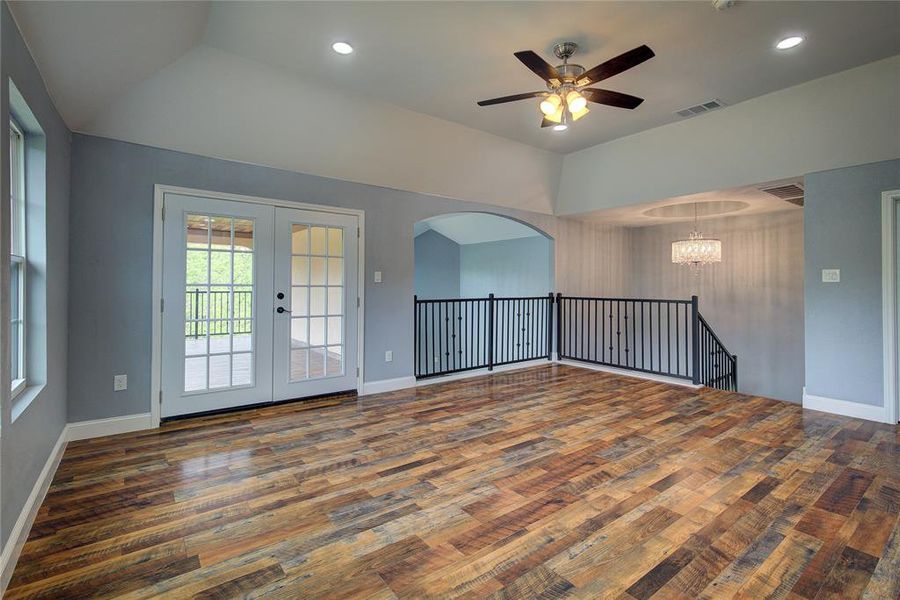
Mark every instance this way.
x=611 y=98
x=504 y=99
x=545 y=122
x=539 y=66
x=616 y=65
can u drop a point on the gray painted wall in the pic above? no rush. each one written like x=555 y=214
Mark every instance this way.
x=518 y=267
x=436 y=266
x=843 y=320
x=26 y=443
x=753 y=299
x=111 y=255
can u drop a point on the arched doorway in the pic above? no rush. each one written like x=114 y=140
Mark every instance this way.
x=473 y=254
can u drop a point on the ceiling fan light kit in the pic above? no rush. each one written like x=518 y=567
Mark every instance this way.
x=568 y=95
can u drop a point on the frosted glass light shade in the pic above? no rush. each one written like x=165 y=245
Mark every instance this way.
x=696 y=250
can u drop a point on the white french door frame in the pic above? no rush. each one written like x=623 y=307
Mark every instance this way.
x=159 y=194
x=889 y=325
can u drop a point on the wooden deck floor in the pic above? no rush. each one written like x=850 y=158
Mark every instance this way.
x=550 y=482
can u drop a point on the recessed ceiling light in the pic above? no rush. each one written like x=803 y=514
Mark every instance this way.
x=789 y=42
x=342 y=47
x=560 y=127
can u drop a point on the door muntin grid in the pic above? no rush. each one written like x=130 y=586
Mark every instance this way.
x=318 y=303
x=219 y=319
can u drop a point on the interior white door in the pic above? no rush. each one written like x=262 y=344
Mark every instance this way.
x=217 y=299
x=316 y=303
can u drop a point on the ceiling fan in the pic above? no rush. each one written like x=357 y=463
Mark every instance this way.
x=568 y=93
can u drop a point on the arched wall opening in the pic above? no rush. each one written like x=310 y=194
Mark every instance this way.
x=473 y=254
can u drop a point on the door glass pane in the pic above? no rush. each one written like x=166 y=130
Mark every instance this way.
x=335 y=301
x=219 y=318
x=241 y=369
x=317 y=270
x=300 y=301
x=220 y=233
x=317 y=362
x=317 y=301
x=335 y=332
x=299 y=364
x=299 y=334
x=335 y=364
x=243 y=235
x=299 y=239
x=317 y=241
x=335 y=271
x=317 y=331
x=195 y=374
x=335 y=241
x=300 y=270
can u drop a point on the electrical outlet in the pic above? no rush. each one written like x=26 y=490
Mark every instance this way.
x=120 y=382
x=377 y=276
x=388 y=356
x=831 y=275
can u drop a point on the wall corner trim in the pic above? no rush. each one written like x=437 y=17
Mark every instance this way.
x=382 y=386
x=845 y=408
x=22 y=527
x=83 y=430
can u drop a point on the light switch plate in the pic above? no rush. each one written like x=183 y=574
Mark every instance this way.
x=120 y=382
x=388 y=356
x=831 y=275
x=377 y=276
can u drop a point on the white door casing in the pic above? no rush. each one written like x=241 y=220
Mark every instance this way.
x=191 y=331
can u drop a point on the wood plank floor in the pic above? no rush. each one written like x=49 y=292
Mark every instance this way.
x=550 y=482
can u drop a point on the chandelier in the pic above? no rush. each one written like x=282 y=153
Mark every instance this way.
x=696 y=250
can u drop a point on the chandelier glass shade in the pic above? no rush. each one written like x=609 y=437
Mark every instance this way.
x=696 y=250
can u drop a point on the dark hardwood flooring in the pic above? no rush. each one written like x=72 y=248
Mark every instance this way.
x=550 y=482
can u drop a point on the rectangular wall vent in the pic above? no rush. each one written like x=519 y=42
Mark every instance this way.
x=701 y=108
x=791 y=192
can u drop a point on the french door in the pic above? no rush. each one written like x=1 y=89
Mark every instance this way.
x=260 y=304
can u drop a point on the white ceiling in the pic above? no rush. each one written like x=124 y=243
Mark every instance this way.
x=439 y=58
x=475 y=228
x=741 y=201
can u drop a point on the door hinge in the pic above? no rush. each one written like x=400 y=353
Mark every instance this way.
x=162 y=305
x=357 y=302
x=160 y=396
x=357 y=371
x=357 y=233
x=163 y=211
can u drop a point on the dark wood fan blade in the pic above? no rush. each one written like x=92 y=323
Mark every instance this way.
x=504 y=99
x=547 y=123
x=541 y=67
x=611 y=98
x=616 y=65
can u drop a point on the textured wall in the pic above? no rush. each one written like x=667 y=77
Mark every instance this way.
x=27 y=442
x=843 y=320
x=592 y=259
x=753 y=299
x=436 y=266
x=519 y=267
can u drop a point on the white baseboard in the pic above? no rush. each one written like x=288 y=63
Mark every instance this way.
x=845 y=408
x=629 y=373
x=19 y=533
x=83 y=430
x=387 y=385
x=480 y=372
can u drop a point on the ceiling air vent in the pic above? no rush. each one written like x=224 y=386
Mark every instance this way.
x=701 y=108
x=791 y=192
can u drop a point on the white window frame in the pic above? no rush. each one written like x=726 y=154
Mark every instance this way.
x=17 y=242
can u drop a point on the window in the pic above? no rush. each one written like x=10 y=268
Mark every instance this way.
x=17 y=262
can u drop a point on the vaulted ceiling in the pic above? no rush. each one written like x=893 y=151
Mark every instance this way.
x=438 y=58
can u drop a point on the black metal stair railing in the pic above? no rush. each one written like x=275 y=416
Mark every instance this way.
x=656 y=336
x=461 y=334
